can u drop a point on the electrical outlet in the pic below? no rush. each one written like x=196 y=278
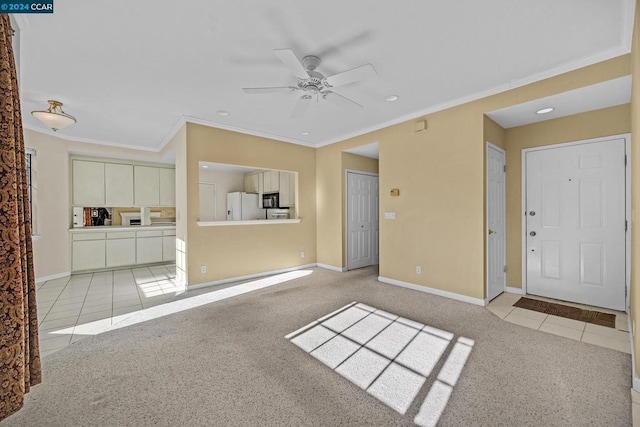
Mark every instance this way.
x=203 y=269
x=418 y=269
x=302 y=254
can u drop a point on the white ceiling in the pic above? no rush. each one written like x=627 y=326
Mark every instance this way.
x=131 y=72
x=369 y=150
x=602 y=95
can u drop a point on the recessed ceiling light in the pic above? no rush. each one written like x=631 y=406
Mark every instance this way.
x=306 y=132
x=545 y=110
x=205 y=166
x=392 y=98
x=222 y=113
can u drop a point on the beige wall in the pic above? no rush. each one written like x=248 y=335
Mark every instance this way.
x=355 y=163
x=232 y=251
x=226 y=182
x=593 y=124
x=635 y=187
x=52 y=173
x=494 y=133
x=440 y=221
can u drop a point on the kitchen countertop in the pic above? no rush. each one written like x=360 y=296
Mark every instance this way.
x=106 y=228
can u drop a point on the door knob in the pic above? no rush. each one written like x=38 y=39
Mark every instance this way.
x=532 y=234
x=532 y=213
x=491 y=232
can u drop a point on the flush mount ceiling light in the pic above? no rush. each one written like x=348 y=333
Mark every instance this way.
x=222 y=113
x=54 y=117
x=545 y=110
x=392 y=98
x=305 y=133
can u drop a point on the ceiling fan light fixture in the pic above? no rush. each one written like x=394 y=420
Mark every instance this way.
x=392 y=98
x=54 y=117
x=222 y=113
x=545 y=110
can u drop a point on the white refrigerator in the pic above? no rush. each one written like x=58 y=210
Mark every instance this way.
x=243 y=206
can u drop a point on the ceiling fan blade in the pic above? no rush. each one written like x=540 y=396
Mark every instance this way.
x=301 y=106
x=340 y=101
x=351 y=76
x=291 y=61
x=257 y=90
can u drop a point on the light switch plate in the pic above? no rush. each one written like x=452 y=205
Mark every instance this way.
x=390 y=215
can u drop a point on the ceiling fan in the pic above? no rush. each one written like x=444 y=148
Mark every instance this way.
x=313 y=84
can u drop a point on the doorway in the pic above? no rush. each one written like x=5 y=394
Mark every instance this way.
x=362 y=222
x=496 y=223
x=575 y=222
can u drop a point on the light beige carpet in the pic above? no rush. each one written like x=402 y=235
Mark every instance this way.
x=228 y=363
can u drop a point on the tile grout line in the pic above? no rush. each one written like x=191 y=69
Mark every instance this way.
x=54 y=302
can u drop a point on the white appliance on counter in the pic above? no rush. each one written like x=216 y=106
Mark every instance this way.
x=78 y=217
x=243 y=206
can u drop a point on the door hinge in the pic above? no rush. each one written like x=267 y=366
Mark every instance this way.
x=626 y=225
x=504 y=168
x=625 y=160
x=504 y=269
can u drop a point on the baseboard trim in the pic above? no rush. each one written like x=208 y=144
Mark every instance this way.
x=249 y=276
x=332 y=268
x=438 y=292
x=511 y=290
x=635 y=381
x=53 y=277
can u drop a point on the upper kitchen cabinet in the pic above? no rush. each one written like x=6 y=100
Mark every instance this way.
x=118 y=180
x=271 y=181
x=88 y=183
x=167 y=187
x=253 y=183
x=287 y=189
x=147 y=185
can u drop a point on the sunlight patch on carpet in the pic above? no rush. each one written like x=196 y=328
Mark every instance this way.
x=388 y=356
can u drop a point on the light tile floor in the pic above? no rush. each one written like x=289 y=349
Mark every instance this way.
x=617 y=339
x=64 y=304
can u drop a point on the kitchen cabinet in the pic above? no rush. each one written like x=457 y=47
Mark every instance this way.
x=149 y=246
x=169 y=248
x=147 y=185
x=120 y=251
x=167 y=187
x=253 y=183
x=118 y=182
x=287 y=189
x=88 y=183
x=271 y=181
x=113 y=247
x=88 y=254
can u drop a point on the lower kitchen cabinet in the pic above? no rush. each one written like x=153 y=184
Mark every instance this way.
x=94 y=250
x=121 y=252
x=149 y=250
x=168 y=248
x=88 y=254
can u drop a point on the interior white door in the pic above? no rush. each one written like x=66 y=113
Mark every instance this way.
x=575 y=223
x=496 y=224
x=362 y=223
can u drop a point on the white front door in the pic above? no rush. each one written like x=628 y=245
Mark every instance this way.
x=575 y=223
x=496 y=224
x=362 y=220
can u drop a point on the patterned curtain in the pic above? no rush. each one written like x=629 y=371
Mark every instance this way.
x=19 y=352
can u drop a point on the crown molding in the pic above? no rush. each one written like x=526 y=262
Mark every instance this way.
x=89 y=140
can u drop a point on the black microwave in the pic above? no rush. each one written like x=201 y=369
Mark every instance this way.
x=270 y=201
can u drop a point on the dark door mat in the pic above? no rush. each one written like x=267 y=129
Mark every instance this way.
x=595 y=317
